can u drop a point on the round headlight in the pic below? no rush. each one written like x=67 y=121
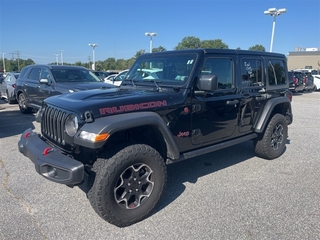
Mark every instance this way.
x=71 y=125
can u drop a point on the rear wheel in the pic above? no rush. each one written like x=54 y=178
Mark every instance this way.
x=271 y=144
x=23 y=104
x=128 y=184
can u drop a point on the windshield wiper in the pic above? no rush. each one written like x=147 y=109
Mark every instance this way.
x=155 y=83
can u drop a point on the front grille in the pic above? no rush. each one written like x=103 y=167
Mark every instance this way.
x=52 y=124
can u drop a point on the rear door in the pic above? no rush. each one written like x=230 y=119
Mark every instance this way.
x=31 y=85
x=251 y=85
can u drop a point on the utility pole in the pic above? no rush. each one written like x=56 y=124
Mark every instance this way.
x=12 y=54
x=18 y=58
x=3 y=62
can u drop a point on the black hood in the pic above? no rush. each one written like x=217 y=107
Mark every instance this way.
x=104 y=102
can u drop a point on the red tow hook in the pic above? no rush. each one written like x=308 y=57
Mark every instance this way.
x=47 y=150
x=26 y=135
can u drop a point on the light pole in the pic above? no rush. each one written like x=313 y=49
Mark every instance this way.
x=4 y=64
x=151 y=34
x=274 y=13
x=57 y=61
x=61 y=56
x=93 y=45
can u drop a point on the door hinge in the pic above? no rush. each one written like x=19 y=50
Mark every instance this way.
x=196 y=132
x=196 y=108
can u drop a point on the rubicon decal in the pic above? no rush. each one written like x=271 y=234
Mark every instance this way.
x=132 y=107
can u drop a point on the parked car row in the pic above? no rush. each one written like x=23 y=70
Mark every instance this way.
x=7 y=87
x=116 y=79
x=103 y=74
x=303 y=80
x=111 y=77
x=37 y=82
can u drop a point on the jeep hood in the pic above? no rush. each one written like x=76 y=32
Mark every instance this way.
x=104 y=102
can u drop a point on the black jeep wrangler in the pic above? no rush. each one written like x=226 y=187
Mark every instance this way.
x=171 y=106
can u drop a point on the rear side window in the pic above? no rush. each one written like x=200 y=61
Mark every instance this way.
x=23 y=72
x=34 y=74
x=251 y=70
x=276 y=72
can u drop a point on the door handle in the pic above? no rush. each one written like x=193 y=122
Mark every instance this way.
x=232 y=102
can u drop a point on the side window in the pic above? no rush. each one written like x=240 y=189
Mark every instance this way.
x=34 y=74
x=276 y=72
x=23 y=72
x=8 y=78
x=45 y=74
x=222 y=68
x=251 y=70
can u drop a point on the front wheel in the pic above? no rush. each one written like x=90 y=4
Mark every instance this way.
x=128 y=184
x=271 y=144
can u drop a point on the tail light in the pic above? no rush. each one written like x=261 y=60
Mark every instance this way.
x=288 y=94
x=14 y=85
x=305 y=79
x=295 y=80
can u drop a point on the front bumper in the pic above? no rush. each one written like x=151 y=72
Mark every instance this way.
x=49 y=161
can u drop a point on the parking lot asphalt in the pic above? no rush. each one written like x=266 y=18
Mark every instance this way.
x=228 y=194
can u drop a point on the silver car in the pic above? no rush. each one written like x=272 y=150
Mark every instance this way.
x=7 y=87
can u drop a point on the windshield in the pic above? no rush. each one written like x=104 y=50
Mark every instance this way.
x=74 y=75
x=165 y=69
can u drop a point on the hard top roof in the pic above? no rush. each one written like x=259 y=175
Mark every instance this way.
x=221 y=51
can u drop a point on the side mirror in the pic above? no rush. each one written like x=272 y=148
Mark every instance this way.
x=208 y=83
x=44 y=80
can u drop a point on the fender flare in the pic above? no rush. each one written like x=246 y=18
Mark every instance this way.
x=115 y=123
x=267 y=111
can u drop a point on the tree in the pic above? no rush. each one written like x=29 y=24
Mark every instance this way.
x=257 y=47
x=217 y=43
x=159 y=49
x=110 y=64
x=140 y=52
x=188 y=42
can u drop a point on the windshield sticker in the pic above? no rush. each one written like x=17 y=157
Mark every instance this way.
x=132 y=107
x=249 y=69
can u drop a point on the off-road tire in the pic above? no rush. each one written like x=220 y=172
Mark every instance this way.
x=23 y=104
x=271 y=144
x=135 y=170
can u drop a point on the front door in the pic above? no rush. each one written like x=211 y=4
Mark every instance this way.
x=215 y=115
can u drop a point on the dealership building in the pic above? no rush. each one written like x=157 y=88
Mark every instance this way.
x=304 y=58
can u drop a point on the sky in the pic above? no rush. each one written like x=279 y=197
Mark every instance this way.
x=41 y=29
